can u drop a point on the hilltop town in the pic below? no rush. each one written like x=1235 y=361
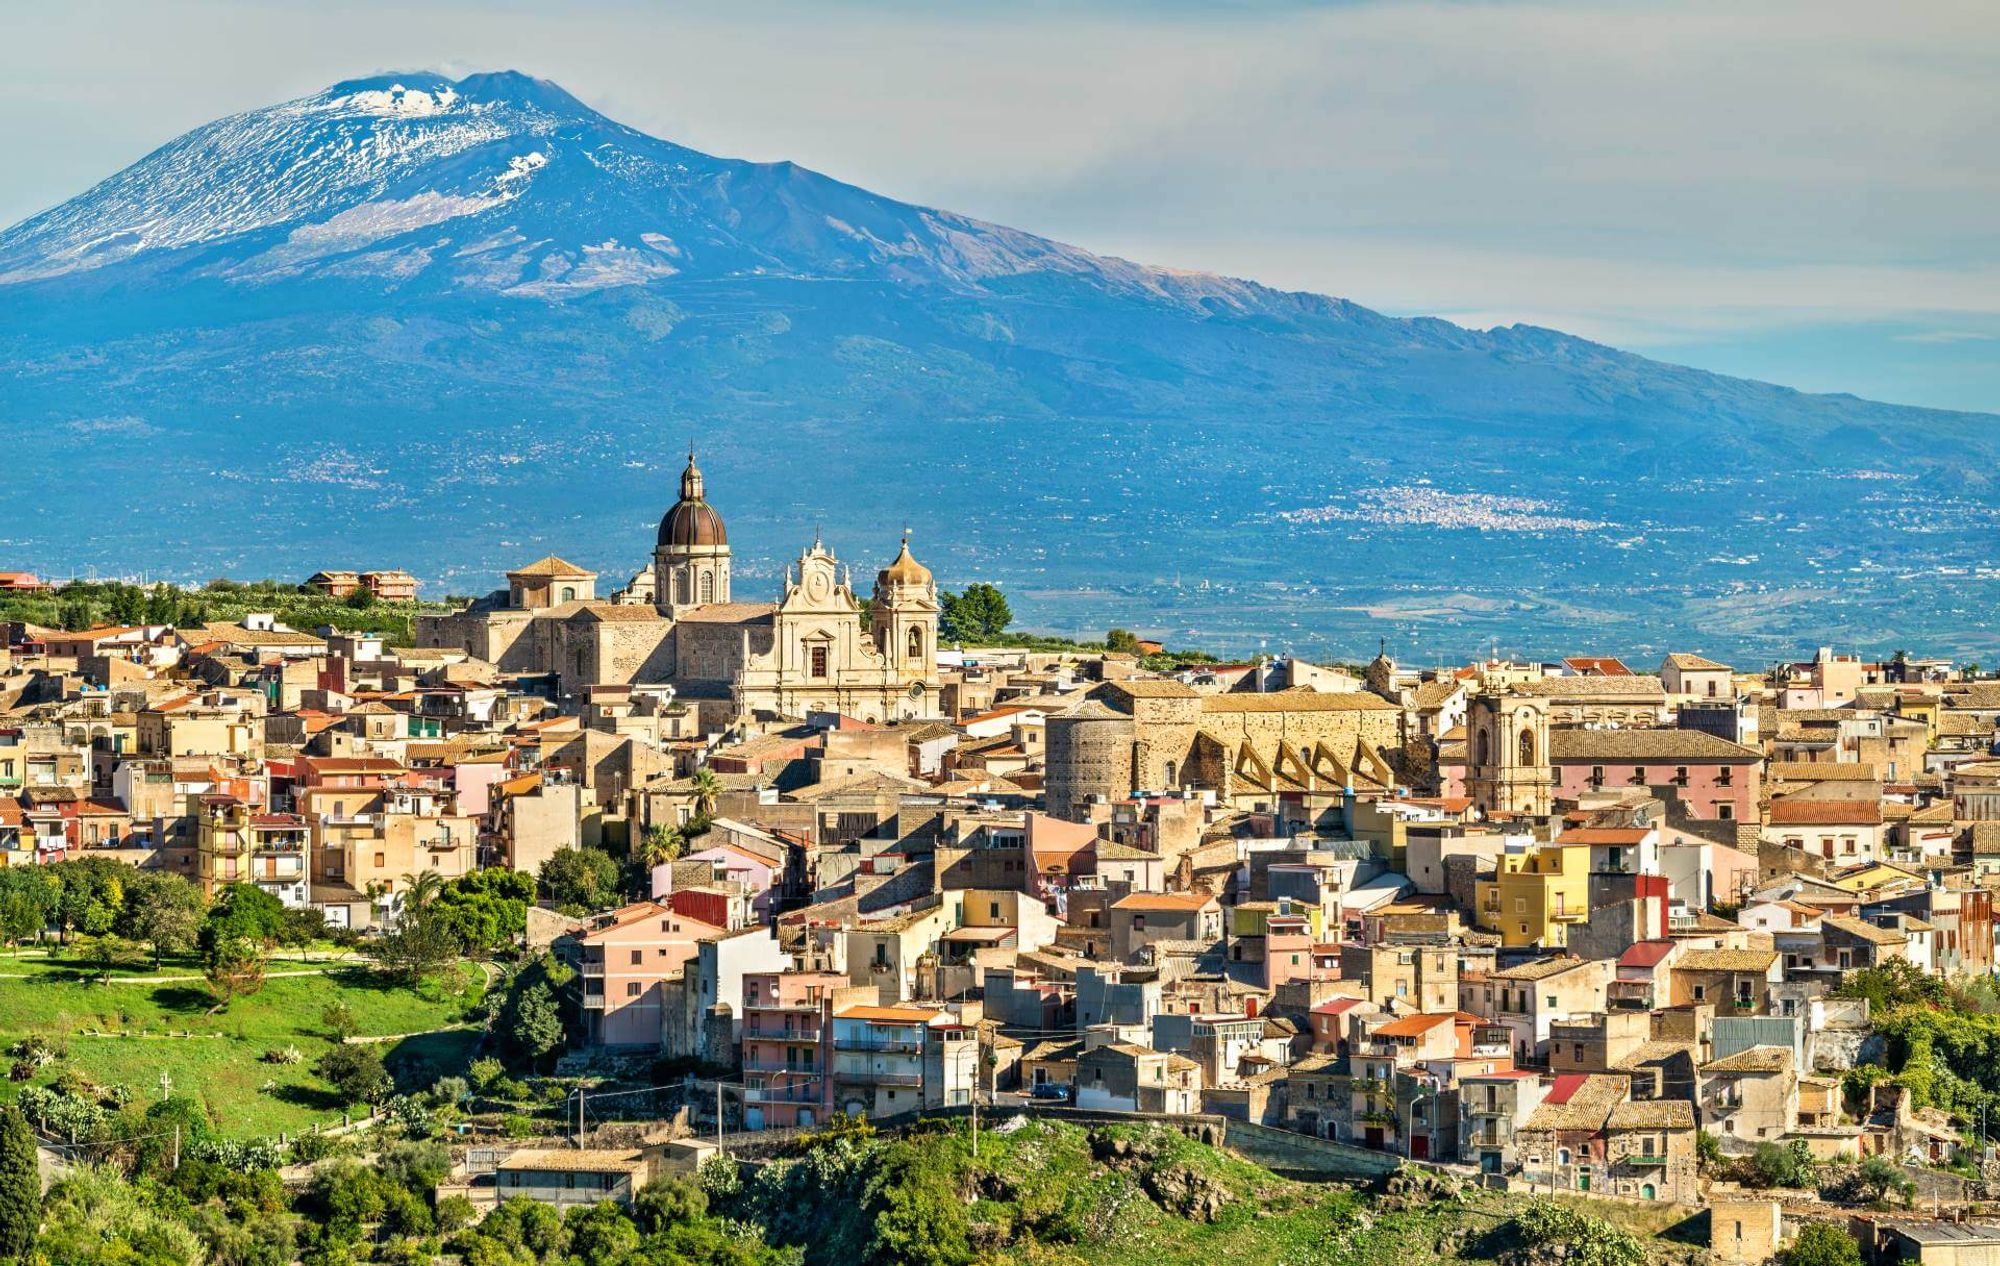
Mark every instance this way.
x=1669 y=934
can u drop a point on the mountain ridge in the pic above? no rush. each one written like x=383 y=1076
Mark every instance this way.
x=425 y=298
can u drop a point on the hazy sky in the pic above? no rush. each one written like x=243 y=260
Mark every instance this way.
x=1804 y=191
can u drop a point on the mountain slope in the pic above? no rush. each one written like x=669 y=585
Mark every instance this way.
x=448 y=323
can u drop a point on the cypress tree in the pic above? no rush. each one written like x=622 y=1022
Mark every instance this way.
x=20 y=1186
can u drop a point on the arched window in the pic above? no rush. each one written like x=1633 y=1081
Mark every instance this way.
x=1562 y=1156
x=708 y=586
x=916 y=645
x=568 y=593
x=681 y=587
x=1173 y=780
x=1482 y=756
x=1527 y=747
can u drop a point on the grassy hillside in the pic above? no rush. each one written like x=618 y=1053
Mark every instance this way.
x=1051 y=1192
x=84 y=604
x=128 y=1032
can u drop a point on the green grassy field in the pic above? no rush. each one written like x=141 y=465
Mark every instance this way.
x=130 y=1033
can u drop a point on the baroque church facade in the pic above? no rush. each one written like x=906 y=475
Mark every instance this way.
x=678 y=625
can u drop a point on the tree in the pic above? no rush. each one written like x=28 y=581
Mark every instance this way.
x=420 y=945
x=355 y=1072
x=707 y=788
x=163 y=910
x=979 y=613
x=1821 y=1244
x=111 y=954
x=661 y=844
x=1877 y=1176
x=244 y=912
x=1894 y=983
x=340 y=1020
x=581 y=880
x=360 y=600
x=538 y=1026
x=20 y=1185
x=1122 y=642
x=235 y=969
x=485 y=909
x=1791 y=1165
x=21 y=917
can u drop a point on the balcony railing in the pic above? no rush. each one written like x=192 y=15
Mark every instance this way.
x=778 y=1067
x=869 y=1078
x=1644 y=1160
x=892 y=1046
x=593 y=1002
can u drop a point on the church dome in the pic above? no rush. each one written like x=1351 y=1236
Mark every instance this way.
x=692 y=522
x=904 y=571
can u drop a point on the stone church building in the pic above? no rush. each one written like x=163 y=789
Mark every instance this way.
x=679 y=625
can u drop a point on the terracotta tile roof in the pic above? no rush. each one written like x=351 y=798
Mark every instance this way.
x=1630 y=687
x=1820 y=771
x=1646 y=745
x=1642 y=954
x=1792 y=811
x=1695 y=663
x=552 y=566
x=1539 y=969
x=1737 y=960
x=1652 y=1114
x=1862 y=930
x=1413 y=1025
x=1755 y=1059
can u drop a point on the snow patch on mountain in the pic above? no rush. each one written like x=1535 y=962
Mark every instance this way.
x=397 y=100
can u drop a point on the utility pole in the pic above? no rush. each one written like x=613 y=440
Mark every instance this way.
x=975 y=1118
x=177 y=1145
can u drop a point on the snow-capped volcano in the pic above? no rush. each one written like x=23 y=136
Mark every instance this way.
x=449 y=324
x=506 y=182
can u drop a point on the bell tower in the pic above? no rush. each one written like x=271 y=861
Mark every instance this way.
x=1507 y=757
x=904 y=620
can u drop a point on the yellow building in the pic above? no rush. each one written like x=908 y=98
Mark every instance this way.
x=1535 y=894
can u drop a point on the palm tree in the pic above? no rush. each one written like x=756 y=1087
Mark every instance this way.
x=420 y=889
x=707 y=786
x=661 y=845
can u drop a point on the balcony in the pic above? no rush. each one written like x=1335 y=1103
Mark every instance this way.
x=887 y=1046
x=869 y=1078
x=778 y=1068
x=593 y=970
x=804 y=1092
x=593 y=1002
x=1644 y=1160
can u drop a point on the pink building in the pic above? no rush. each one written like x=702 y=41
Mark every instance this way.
x=627 y=961
x=1716 y=779
x=787 y=1047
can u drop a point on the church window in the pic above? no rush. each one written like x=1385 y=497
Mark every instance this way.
x=1483 y=757
x=916 y=644
x=1527 y=747
x=568 y=593
x=708 y=586
x=681 y=587
x=817 y=657
x=1173 y=771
